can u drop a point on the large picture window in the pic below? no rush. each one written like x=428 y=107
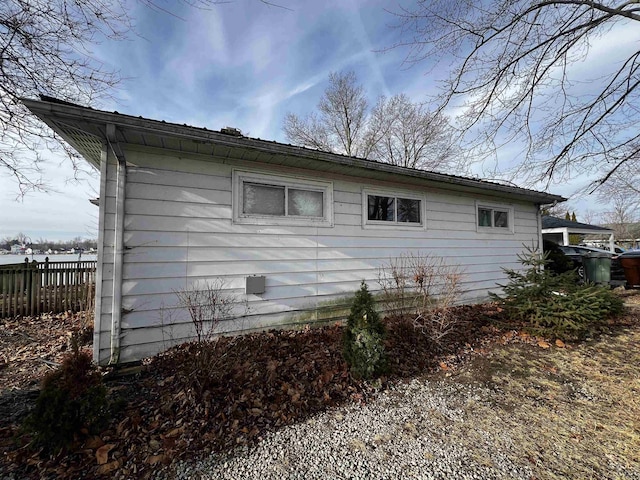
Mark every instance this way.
x=269 y=199
x=388 y=209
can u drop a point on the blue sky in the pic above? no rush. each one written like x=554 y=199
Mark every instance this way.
x=243 y=64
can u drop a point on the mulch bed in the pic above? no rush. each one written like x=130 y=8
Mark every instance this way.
x=256 y=383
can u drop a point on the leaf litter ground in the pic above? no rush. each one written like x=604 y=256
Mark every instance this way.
x=571 y=409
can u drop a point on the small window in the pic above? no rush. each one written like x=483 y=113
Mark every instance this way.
x=494 y=217
x=381 y=209
x=277 y=200
x=270 y=200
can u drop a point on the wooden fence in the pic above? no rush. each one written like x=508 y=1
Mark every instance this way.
x=41 y=287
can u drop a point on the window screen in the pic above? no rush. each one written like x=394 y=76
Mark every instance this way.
x=305 y=203
x=263 y=199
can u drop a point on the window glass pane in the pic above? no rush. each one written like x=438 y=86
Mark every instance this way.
x=500 y=219
x=484 y=217
x=381 y=208
x=408 y=210
x=262 y=199
x=305 y=203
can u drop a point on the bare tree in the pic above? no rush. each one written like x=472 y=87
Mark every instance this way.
x=590 y=217
x=395 y=131
x=558 y=210
x=407 y=134
x=339 y=124
x=622 y=216
x=45 y=48
x=514 y=78
x=626 y=182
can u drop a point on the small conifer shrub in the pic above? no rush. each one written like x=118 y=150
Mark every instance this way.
x=363 y=342
x=554 y=304
x=72 y=398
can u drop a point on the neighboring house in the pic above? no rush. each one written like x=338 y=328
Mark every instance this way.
x=558 y=231
x=179 y=205
x=17 y=249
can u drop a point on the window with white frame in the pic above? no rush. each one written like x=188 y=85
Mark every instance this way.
x=494 y=217
x=381 y=208
x=281 y=200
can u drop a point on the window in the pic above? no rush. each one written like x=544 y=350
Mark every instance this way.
x=494 y=217
x=278 y=200
x=381 y=209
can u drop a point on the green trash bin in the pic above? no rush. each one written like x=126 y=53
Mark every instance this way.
x=597 y=268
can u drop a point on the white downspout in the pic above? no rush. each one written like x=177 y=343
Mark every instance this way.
x=118 y=250
x=539 y=221
x=97 y=316
x=565 y=236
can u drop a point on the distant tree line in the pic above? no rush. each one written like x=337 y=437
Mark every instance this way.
x=44 y=244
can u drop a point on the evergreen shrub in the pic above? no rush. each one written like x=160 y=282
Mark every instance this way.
x=552 y=304
x=363 y=342
x=72 y=398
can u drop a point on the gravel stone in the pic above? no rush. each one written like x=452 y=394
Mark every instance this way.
x=404 y=432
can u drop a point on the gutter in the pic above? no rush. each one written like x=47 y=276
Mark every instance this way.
x=118 y=251
x=48 y=108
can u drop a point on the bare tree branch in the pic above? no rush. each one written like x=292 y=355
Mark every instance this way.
x=395 y=131
x=45 y=48
x=519 y=76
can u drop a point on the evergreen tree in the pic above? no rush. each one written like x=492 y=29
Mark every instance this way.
x=363 y=341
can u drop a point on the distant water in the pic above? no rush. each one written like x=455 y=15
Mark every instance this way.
x=7 y=259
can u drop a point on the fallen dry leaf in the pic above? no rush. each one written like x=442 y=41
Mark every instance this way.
x=175 y=432
x=560 y=343
x=102 y=453
x=543 y=344
x=155 y=459
x=94 y=442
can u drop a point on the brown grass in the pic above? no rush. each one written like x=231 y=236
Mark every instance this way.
x=564 y=412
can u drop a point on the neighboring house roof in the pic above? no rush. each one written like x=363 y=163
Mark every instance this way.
x=87 y=130
x=549 y=222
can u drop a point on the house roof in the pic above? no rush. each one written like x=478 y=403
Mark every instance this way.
x=549 y=222
x=86 y=129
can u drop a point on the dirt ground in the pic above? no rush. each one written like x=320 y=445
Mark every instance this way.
x=574 y=409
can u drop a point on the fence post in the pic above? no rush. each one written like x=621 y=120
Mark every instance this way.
x=33 y=294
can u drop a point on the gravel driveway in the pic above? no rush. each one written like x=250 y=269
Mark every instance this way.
x=413 y=431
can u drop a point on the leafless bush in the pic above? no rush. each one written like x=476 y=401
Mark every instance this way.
x=425 y=288
x=208 y=304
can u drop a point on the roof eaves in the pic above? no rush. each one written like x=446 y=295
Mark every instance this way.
x=49 y=106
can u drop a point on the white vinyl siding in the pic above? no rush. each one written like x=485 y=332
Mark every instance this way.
x=182 y=227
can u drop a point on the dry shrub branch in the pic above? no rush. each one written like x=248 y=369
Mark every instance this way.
x=424 y=288
x=208 y=304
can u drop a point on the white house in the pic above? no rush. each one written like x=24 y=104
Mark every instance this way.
x=180 y=204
